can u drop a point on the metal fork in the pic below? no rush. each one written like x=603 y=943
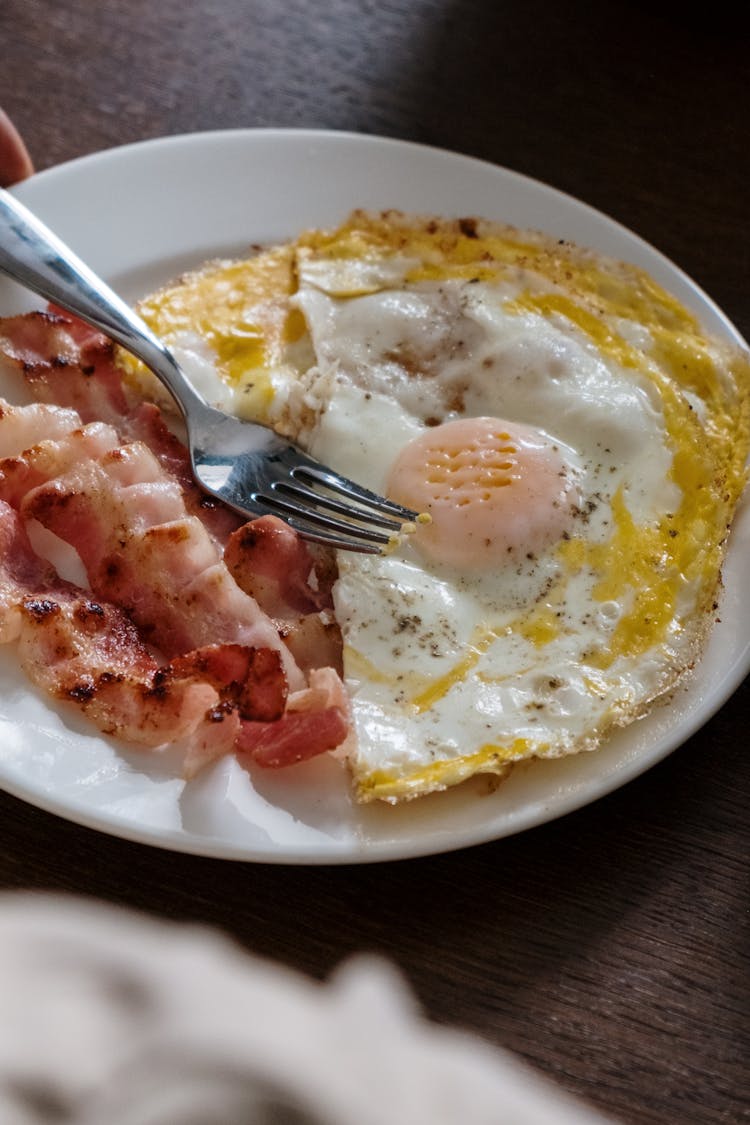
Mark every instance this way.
x=244 y=464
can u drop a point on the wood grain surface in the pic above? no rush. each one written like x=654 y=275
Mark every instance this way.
x=608 y=948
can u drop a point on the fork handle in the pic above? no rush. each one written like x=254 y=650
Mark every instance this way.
x=32 y=255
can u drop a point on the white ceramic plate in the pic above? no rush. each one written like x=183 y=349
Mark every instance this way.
x=139 y=215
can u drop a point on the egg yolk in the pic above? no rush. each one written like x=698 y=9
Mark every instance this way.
x=495 y=491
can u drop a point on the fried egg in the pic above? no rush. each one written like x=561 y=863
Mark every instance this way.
x=576 y=441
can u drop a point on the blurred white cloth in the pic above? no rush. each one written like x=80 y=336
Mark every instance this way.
x=108 y=1017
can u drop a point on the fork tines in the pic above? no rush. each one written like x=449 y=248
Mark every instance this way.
x=369 y=521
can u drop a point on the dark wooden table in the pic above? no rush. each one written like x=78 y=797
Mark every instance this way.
x=608 y=948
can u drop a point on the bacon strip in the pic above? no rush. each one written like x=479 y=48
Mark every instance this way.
x=253 y=678
x=292 y=583
x=124 y=511
x=26 y=468
x=297 y=736
x=67 y=363
x=271 y=562
x=316 y=718
x=22 y=428
x=87 y=652
x=127 y=519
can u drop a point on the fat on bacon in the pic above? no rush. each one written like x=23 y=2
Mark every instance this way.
x=110 y=479
x=66 y=363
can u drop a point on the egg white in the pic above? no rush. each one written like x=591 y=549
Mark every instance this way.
x=442 y=665
x=408 y=324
